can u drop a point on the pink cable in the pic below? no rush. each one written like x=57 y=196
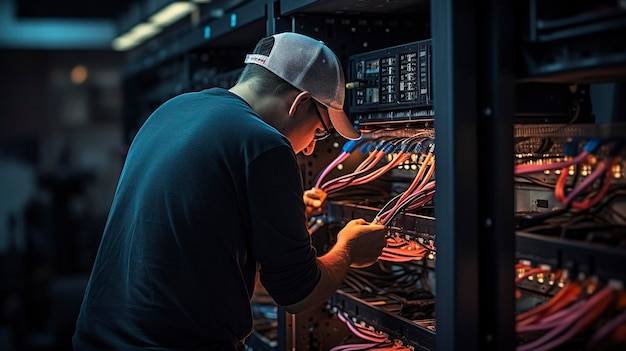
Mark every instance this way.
x=415 y=188
x=560 y=314
x=550 y=339
x=525 y=169
x=366 y=165
x=418 y=177
x=370 y=161
x=422 y=201
x=560 y=300
x=401 y=250
x=342 y=157
x=399 y=258
x=530 y=272
x=401 y=157
x=358 y=332
x=407 y=251
x=579 y=324
x=418 y=194
x=604 y=168
x=552 y=320
x=419 y=198
x=354 y=347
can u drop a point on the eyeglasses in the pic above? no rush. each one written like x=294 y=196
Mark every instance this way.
x=320 y=134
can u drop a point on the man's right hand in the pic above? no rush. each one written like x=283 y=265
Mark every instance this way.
x=365 y=241
x=359 y=244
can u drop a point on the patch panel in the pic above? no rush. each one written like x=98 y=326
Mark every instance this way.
x=391 y=85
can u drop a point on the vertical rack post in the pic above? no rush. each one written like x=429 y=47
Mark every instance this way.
x=456 y=199
x=496 y=110
x=474 y=105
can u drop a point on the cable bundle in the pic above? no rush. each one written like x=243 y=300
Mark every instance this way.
x=589 y=192
x=398 y=289
x=378 y=340
x=419 y=192
x=398 y=150
x=401 y=250
x=367 y=170
x=525 y=271
x=569 y=313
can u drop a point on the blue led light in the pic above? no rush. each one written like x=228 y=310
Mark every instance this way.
x=207 y=32
x=233 y=20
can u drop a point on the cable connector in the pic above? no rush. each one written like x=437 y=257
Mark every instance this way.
x=431 y=148
x=570 y=148
x=429 y=144
x=388 y=148
x=592 y=145
x=380 y=145
x=349 y=146
x=418 y=147
x=407 y=146
x=367 y=147
x=376 y=220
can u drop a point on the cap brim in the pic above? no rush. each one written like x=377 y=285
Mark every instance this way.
x=342 y=124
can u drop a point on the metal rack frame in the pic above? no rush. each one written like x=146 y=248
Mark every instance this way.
x=475 y=77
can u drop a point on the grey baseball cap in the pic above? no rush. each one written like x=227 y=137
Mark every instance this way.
x=308 y=65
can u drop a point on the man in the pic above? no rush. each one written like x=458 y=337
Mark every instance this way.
x=210 y=195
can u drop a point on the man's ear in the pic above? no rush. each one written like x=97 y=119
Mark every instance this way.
x=302 y=97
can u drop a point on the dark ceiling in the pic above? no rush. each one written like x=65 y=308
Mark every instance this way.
x=99 y=9
x=75 y=24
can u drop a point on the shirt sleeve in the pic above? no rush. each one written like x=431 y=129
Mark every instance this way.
x=280 y=241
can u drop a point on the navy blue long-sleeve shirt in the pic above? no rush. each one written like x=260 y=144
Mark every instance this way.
x=209 y=194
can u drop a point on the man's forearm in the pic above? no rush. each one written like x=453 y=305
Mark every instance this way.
x=334 y=266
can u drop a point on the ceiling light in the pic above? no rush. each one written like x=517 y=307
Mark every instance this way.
x=144 y=30
x=172 y=13
x=123 y=42
x=135 y=36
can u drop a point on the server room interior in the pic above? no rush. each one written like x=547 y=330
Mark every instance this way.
x=65 y=127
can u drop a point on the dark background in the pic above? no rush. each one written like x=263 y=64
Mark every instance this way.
x=60 y=155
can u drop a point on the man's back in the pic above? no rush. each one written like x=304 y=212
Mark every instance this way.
x=175 y=269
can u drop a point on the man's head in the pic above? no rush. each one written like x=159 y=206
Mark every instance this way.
x=309 y=66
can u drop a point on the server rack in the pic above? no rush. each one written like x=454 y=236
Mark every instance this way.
x=484 y=52
x=353 y=28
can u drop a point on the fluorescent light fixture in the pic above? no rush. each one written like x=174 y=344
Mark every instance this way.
x=144 y=31
x=135 y=36
x=123 y=43
x=173 y=12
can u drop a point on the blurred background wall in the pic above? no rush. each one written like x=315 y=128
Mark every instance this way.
x=60 y=155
